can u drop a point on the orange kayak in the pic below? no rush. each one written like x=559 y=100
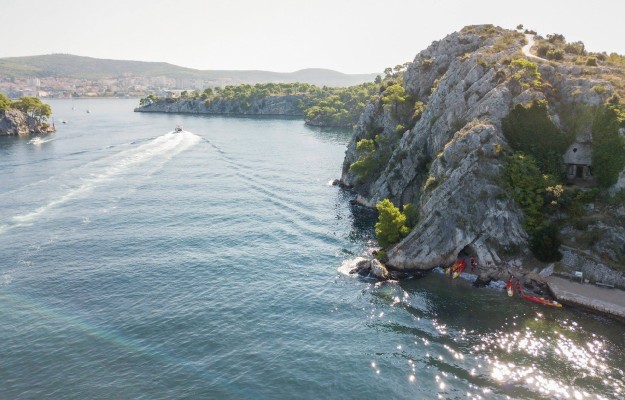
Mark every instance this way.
x=541 y=300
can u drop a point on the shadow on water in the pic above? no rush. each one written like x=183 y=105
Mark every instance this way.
x=363 y=220
x=7 y=142
x=331 y=134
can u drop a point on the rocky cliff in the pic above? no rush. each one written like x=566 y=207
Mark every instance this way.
x=15 y=122
x=448 y=160
x=287 y=105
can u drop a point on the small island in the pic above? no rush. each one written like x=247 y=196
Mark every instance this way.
x=23 y=117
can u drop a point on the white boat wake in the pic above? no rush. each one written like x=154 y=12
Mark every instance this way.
x=161 y=149
x=39 y=140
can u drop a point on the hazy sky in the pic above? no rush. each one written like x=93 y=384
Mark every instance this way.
x=352 y=36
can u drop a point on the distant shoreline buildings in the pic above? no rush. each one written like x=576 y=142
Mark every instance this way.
x=124 y=86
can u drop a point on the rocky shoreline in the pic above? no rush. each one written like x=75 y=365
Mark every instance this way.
x=571 y=291
x=17 y=123
x=276 y=106
x=287 y=105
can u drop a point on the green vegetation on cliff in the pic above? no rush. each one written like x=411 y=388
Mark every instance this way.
x=31 y=106
x=326 y=106
x=608 y=147
x=374 y=154
x=393 y=224
x=341 y=106
x=529 y=129
x=537 y=194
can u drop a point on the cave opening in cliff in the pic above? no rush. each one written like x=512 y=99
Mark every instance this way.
x=467 y=252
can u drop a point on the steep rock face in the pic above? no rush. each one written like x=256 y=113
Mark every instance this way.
x=449 y=161
x=15 y=122
x=273 y=105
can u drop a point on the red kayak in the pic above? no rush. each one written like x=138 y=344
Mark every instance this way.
x=457 y=268
x=541 y=300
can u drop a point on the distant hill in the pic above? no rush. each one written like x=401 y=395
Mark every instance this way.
x=77 y=67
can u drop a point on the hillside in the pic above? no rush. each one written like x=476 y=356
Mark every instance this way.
x=77 y=67
x=518 y=163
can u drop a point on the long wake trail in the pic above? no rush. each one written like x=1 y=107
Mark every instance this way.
x=106 y=170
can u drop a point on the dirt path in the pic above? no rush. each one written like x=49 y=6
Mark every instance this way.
x=603 y=300
x=526 y=49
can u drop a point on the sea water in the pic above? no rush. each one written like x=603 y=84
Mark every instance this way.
x=138 y=263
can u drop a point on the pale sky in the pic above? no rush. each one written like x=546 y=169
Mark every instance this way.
x=351 y=36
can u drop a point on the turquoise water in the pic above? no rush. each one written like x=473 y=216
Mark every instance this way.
x=141 y=264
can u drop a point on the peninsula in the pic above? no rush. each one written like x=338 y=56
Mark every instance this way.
x=320 y=106
x=479 y=151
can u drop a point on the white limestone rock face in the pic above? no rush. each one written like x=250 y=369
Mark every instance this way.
x=15 y=122
x=465 y=210
x=449 y=161
x=378 y=270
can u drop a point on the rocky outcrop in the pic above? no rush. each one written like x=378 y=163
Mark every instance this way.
x=371 y=268
x=287 y=105
x=16 y=123
x=448 y=162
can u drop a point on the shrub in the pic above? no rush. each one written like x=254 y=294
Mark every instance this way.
x=617 y=198
x=544 y=243
x=608 y=147
x=391 y=225
x=531 y=131
x=555 y=54
x=373 y=155
x=525 y=72
x=426 y=64
x=394 y=95
x=599 y=89
x=412 y=215
x=430 y=183
x=556 y=38
x=419 y=109
x=543 y=49
x=591 y=61
x=5 y=102
x=367 y=161
x=576 y=48
x=527 y=186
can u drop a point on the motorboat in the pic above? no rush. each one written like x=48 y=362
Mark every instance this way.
x=178 y=129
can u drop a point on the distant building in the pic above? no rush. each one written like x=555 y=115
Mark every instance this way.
x=578 y=160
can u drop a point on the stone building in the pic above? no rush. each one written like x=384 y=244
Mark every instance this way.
x=578 y=160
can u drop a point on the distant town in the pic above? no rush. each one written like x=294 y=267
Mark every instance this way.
x=123 y=86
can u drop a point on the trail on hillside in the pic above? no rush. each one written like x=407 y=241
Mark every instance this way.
x=526 y=49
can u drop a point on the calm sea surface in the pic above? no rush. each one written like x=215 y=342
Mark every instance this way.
x=140 y=264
